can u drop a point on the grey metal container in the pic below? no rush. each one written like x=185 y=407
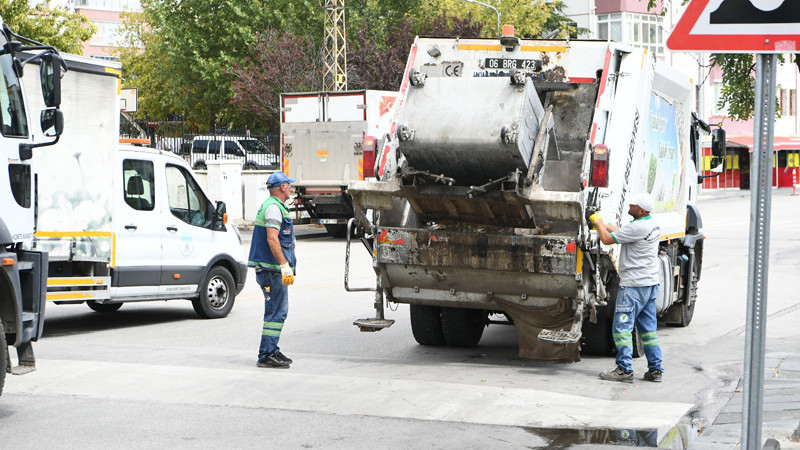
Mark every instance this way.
x=471 y=129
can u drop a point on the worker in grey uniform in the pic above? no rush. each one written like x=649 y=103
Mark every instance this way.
x=638 y=288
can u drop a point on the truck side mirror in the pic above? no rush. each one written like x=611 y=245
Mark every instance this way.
x=52 y=122
x=220 y=216
x=718 y=165
x=718 y=142
x=50 y=77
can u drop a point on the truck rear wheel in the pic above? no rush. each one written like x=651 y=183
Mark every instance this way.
x=686 y=307
x=217 y=294
x=336 y=230
x=3 y=356
x=596 y=337
x=463 y=327
x=426 y=324
x=103 y=307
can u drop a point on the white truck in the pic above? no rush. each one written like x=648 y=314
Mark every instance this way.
x=328 y=139
x=23 y=271
x=499 y=151
x=125 y=223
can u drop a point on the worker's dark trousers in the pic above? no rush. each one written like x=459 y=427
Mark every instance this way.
x=276 y=307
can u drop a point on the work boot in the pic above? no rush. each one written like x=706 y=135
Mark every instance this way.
x=281 y=357
x=272 y=361
x=653 y=375
x=617 y=375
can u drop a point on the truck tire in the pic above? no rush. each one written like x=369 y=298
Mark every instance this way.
x=463 y=327
x=686 y=307
x=217 y=294
x=3 y=356
x=426 y=325
x=596 y=338
x=336 y=230
x=103 y=307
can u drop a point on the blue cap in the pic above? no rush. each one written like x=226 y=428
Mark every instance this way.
x=277 y=179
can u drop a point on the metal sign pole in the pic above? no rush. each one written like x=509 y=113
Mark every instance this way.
x=760 y=210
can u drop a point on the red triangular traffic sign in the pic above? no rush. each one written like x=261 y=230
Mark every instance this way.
x=738 y=26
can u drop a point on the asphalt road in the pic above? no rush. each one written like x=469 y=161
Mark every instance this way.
x=154 y=375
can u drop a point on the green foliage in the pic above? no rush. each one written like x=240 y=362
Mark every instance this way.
x=50 y=26
x=189 y=48
x=191 y=57
x=281 y=62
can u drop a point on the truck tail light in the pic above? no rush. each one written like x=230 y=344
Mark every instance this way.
x=368 y=146
x=599 y=166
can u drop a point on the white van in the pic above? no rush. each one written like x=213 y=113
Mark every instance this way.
x=252 y=153
x=163 y=239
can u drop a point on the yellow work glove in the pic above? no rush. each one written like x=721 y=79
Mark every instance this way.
x=287 y=274
x=593 y=218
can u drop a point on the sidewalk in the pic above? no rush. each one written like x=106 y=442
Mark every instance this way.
x=781 y=410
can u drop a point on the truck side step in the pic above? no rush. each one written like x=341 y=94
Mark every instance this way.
x=373 y=324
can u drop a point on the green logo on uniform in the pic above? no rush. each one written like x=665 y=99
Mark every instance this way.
x=623 y=318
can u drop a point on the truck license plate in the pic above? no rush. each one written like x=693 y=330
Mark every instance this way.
x=507 y=64
x=328 y=221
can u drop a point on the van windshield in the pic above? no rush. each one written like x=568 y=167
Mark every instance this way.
x=254 y=146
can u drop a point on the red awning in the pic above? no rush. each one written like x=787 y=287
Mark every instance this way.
x=779 y=143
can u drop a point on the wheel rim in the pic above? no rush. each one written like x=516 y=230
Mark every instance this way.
x=217 y=293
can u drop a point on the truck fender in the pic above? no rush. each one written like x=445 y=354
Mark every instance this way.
x=693 y=220
x=5 y=235
x=237 y=270
x=10 y=301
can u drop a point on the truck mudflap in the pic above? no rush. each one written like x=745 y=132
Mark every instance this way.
x=533 y=279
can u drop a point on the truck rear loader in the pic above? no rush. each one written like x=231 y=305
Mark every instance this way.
x=498 y=153
x=328 y=140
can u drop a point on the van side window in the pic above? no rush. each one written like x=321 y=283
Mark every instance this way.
x=186 y=200
x=232 y=149
x=199 y=146
x=213 y=148
x=139 y=184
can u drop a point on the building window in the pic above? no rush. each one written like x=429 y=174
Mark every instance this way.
x=788 y=102
x=108 y=33
x=640 y=30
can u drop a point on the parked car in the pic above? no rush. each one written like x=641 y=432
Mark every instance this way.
x=252 y=153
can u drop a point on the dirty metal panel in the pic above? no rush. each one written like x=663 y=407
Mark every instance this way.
x=475 y=250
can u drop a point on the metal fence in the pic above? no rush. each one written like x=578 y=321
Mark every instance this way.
x=256 y=152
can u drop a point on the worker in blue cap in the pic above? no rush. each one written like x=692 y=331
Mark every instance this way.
x=272 y=255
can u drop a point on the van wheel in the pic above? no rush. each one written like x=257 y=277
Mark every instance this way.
x=3 y=356
x=250 y=166
x=200 y=165
x=217 y=294
x=463 y=327
x=426 y=325
x=103 y=307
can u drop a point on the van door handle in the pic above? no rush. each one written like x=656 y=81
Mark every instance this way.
x=171 y=228
x=130 y=227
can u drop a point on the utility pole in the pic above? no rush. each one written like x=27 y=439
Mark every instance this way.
x=334 y=76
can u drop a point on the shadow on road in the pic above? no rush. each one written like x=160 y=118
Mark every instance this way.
x=90 y=321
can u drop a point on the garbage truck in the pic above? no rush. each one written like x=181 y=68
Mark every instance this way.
x=23 y=269
x=498 y=153
x=329 y=139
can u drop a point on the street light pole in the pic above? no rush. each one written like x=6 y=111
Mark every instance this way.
x=495 y=10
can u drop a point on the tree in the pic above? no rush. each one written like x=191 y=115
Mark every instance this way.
x=184 y=52
x=50 y=26
x=281 y=62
